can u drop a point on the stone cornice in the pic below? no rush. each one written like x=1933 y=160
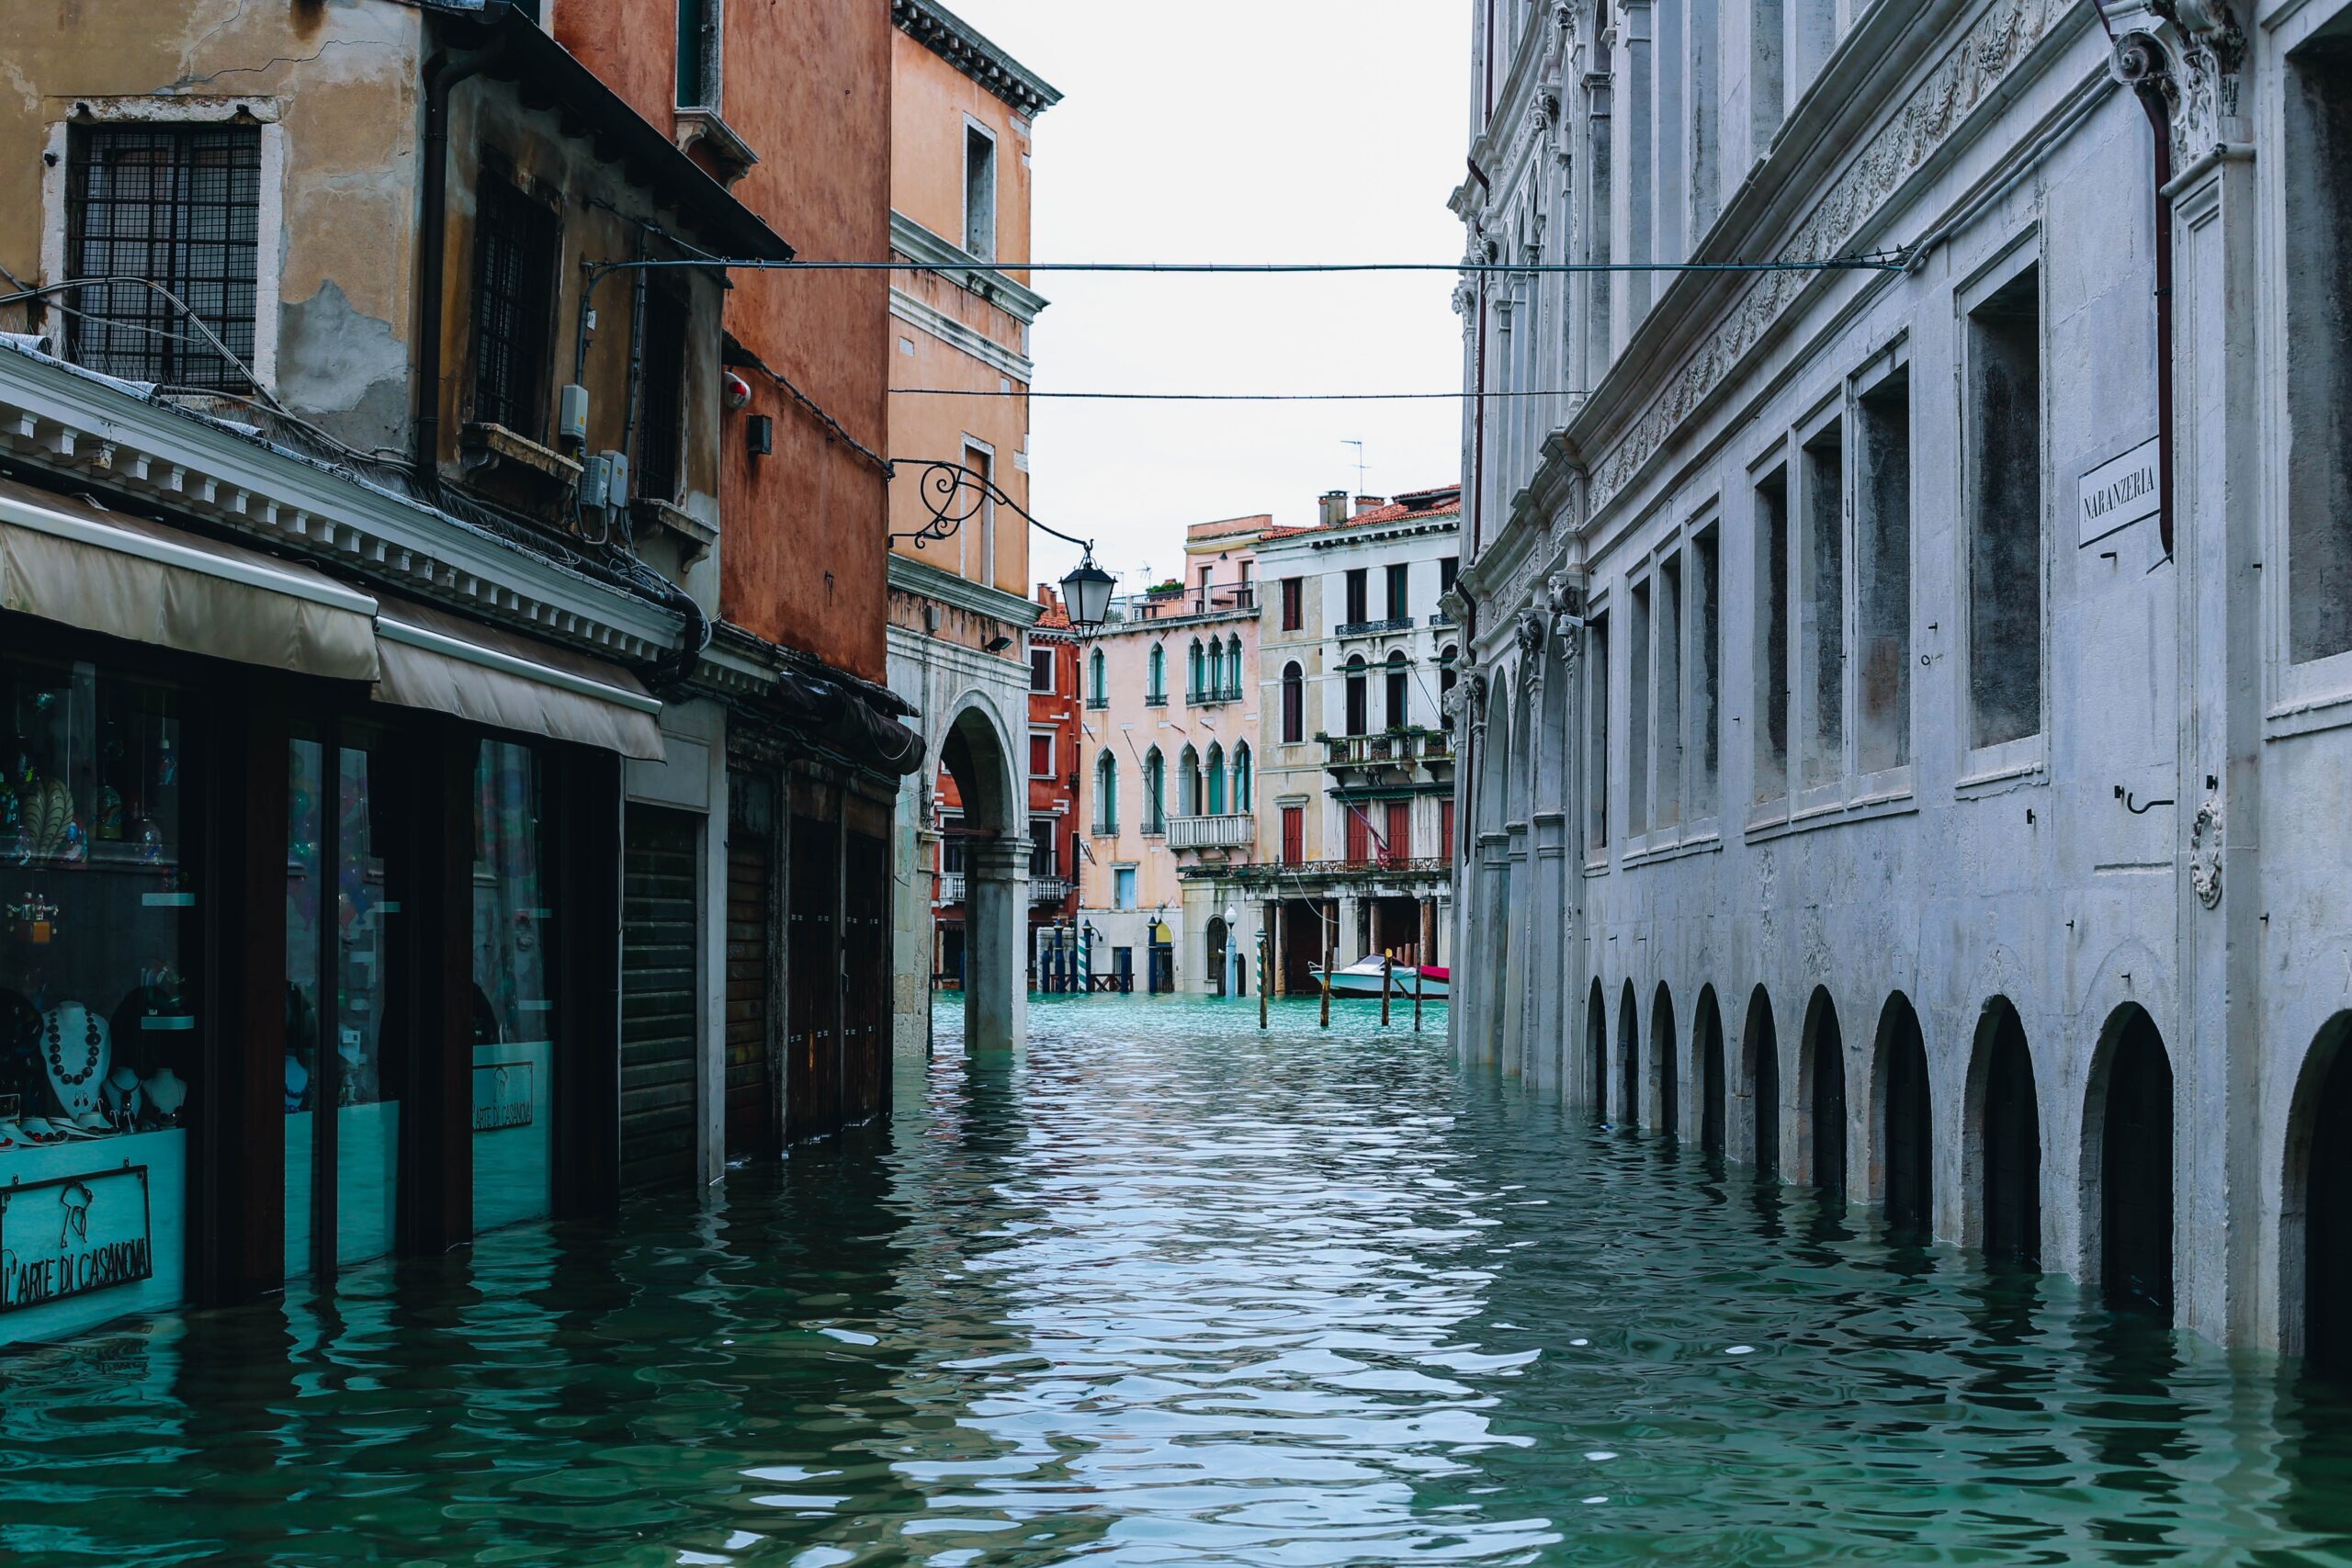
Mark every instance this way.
x=962 y=338
x=968 y=50
x=959 y=267
x=961 y=593
x=82 y=428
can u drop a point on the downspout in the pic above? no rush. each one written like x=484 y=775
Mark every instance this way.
x=2152 y=98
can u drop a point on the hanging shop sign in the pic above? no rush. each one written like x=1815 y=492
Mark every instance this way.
x=71 y=1235
x=502 y=1095
x=2120 y=492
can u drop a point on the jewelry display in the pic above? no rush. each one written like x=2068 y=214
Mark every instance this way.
x=121 y=1097
x=166 y=1093
x=76 y=1047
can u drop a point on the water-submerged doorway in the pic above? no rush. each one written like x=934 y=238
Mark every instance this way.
x=1666 y=1066
x=1906 y=1132
x=1762 y=1048
x=1825 y=1092
x=1596 y=1048
x=2315 y=1240
x=2007 y=1139
x=1629 y=1060
x=1709 y=1053
x=2127 y=1127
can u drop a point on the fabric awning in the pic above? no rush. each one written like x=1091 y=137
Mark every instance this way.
x=66 y=559
x=501 y=679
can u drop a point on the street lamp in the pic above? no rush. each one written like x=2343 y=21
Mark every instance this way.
x=1086 y=595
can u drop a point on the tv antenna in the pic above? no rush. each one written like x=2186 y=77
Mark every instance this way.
x=1358 y=446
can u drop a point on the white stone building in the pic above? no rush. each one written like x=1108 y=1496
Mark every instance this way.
x=1908 y=720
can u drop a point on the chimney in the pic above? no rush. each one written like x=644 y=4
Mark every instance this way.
x=1335 y=507
x=1370 y=504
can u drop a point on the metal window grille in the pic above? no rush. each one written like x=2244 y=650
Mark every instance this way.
x=515 y=261
x=179 y=206
x=659 y=438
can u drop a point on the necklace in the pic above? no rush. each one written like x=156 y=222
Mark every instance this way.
x=57 y=1050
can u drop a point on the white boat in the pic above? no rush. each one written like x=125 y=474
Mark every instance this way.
x=1362 y=978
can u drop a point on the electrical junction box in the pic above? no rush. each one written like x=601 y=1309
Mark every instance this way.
x=616 y=464
x=595 y=484
x=571 y=413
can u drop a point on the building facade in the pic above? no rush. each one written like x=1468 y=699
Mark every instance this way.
x=1887 y=758
x=360 y=605
x=962 y=113
x=1355 y=809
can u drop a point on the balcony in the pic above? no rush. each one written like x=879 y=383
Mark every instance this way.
x=1373 y=628
x=1048 y=889
x=1207 y=695
x=1441 y=619
x=1230 y=831
x=1396 y=748
x=951 y=888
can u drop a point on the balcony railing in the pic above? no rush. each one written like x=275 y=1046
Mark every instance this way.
x=1204 y=695
x=1105 y=830
x=1228 y=830
x=1155 y=699
x=1097 y=704
x=1393 y=748
x=1441 y=619
x=1048 y=889
x=951 y=888
x=1372 y=629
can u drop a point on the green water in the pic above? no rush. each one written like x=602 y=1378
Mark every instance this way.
x=1170 y=1291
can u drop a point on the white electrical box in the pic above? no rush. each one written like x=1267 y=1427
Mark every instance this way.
x=571 y=413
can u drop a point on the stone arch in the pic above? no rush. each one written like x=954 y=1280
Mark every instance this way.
x=1666 y=1068
x=1760 y=1078
x=2001 y=1155
x=2127 y=1171
x=1629 y=1058
x=2315 y=1206
x=1707 y=1070
x=1821 y=1098
x=1596 y=1050
x=977 y=751
x=1903 y=1159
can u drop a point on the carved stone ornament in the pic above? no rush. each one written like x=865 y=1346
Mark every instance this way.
x=2205 y=853
x=1532 y=624
x=2205 y=90
x=1564 y=598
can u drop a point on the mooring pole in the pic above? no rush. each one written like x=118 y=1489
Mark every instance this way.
x=1263 y=984
x=1387 y=979
x=1330 y=940
x=1420 y=982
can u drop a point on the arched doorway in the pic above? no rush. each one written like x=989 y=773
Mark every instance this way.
x=1664 y=1065
x=1825 y=1092
x=2128 y=1143
x=2009 y=1139
x=1906 y=1140
x=2315 y=1240
x=1216 y=956
x=979 y=761
x=1596 y=1050
x=1760 y=1066
x=1629 y=1060
x=1708 y=1048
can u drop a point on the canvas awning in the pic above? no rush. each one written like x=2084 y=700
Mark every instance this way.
x=505 y=680
x=67 y=559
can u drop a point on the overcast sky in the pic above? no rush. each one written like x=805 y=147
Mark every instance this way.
x=1237 y=130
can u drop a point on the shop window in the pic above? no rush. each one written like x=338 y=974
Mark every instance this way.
x=1293 y=704
x=661 y=440
x=1883 y=573
x=515 y=252
x=1823 y=637
x=102 y=1068
x=1596 y=751
x=2004 y=514
x=515 y=1027
x=1707 y=672
x=178 y=205
x=2318 y=240
x=1772 y=636
x=980 y=192
x=1637 y=713
x=1294 y=604
x=1666 y=804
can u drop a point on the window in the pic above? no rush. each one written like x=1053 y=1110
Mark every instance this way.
x=1293 y=835
x=1155 y=791
x=1399 y=584
x=662 y=437
x=979 y=193
x=1244 y=784
x=1041 y=846
x=1883 y=573
x=1773 y=635
x=1359 y=706
x=179 y=206
x=515 y=241
x=1666 y=796
x=518 y=1031
x=1637 y=713
x=1448 y=569
x=1106 y=795
x=1041 y=670
x=1293 y=704
x=1596 y=751
x=1196 y=687
x=951 y=845
x=981 y=460
x=1098 y=681
x=698 y=37
x=1822 y=584
x=1359 y=833
x=1445 y=829
x=1447 y=676
x=1359 y=596
x=1188 y=782
x=1396 y=843
x=1123 y=880
x=1154 y=691
x=1706 y=671
x=1212 y=780
x=1399 y=708
x=2004 y=514
x=1294 y=604
x=2318 y=106
x=1233 y=668
x=1041 y=754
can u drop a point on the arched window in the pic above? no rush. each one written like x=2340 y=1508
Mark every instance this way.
x=1194 y=686
x=1359 y=713
x=1107 y=793
x=1293 y=704
x=1188 y=782
x=1241 y=780
x=1446 y=676
x=1213 y=778
x=1099 y=681
x=1233 y=668
x=1155 y=791
x=1156 y=683
x=1400 y=707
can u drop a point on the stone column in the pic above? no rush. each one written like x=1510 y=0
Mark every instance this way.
x=1491 y=922
x=1633 y=127
x=996 y=900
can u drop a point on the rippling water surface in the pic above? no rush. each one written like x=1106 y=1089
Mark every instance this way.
x=1170 y=1290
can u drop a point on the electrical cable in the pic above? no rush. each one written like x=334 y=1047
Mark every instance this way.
x=1228 y=397
x=1866 y=261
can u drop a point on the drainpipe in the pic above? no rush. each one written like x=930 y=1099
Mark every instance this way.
x=2152 y=98
x=441 y=75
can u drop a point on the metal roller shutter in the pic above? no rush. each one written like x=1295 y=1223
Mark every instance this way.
x=657 y=946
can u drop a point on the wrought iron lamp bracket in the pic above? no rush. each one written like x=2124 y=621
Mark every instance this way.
x=954 y=494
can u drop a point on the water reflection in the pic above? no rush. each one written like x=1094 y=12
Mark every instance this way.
x=1167 y=1291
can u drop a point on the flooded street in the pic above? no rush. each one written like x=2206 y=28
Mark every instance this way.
x=1170 y=1290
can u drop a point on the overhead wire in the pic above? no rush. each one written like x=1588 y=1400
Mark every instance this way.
x=1228 y=397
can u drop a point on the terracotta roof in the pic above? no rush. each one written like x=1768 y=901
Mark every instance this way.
x=1412 y=505
x=1054 y=618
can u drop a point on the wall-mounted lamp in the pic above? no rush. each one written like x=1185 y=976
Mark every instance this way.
x=999 y=643
x=759 y=435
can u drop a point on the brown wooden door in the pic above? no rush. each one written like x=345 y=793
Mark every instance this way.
x=866 y=979
x=812 y=1075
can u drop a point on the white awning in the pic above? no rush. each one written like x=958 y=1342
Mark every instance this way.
x=67 y=559
x=504 y=680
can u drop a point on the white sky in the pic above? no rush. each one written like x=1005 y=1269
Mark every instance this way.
x=1237 y=130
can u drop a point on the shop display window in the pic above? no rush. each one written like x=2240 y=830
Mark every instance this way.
x=514 y=1021
x=101 y=1058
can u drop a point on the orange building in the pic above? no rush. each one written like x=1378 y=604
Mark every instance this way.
x=960 y=621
